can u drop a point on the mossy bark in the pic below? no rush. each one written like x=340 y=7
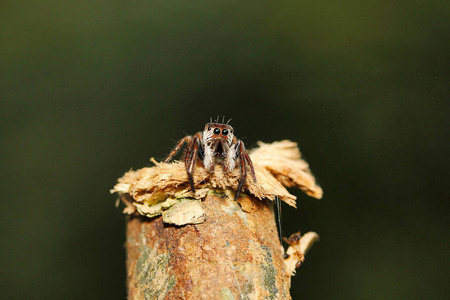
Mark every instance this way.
x=232 y=255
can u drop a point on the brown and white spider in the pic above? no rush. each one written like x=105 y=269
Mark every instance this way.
x=215 y=145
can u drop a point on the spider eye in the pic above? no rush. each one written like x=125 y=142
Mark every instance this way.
x=225 y=131
x=217 y=131
x=209 y=128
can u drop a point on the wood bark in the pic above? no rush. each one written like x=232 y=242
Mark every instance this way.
x=234 y=254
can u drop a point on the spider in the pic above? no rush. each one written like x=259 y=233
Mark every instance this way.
x=215 y=145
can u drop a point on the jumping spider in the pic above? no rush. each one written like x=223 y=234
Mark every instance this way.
x=215 y=145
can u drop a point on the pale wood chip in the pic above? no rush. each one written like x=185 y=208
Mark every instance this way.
x=298 y=247
x=283 y=160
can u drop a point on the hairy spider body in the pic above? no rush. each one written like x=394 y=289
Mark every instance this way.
x=215 y=145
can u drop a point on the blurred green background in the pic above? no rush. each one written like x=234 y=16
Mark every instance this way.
x=90 y=89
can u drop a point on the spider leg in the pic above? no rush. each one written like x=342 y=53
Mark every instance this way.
x=192 y=153
x=245 y=161
x=252 y=169
x=186 y=139
x=208 y=157
x=232 y=155
x=230 y=161
x=241 y=151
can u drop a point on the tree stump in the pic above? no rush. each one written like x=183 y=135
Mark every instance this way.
x=232 y=255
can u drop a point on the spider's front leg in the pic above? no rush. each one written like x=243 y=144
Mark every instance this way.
x=187 y=139
x=230 y=161
x=245 y=161
x=191 y=156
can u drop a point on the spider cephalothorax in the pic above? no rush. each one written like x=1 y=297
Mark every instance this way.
x=215 y=145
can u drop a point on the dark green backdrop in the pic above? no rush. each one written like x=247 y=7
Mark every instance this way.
x=90 y=89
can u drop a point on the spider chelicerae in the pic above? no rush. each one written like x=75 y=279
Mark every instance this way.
x=215 y=145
